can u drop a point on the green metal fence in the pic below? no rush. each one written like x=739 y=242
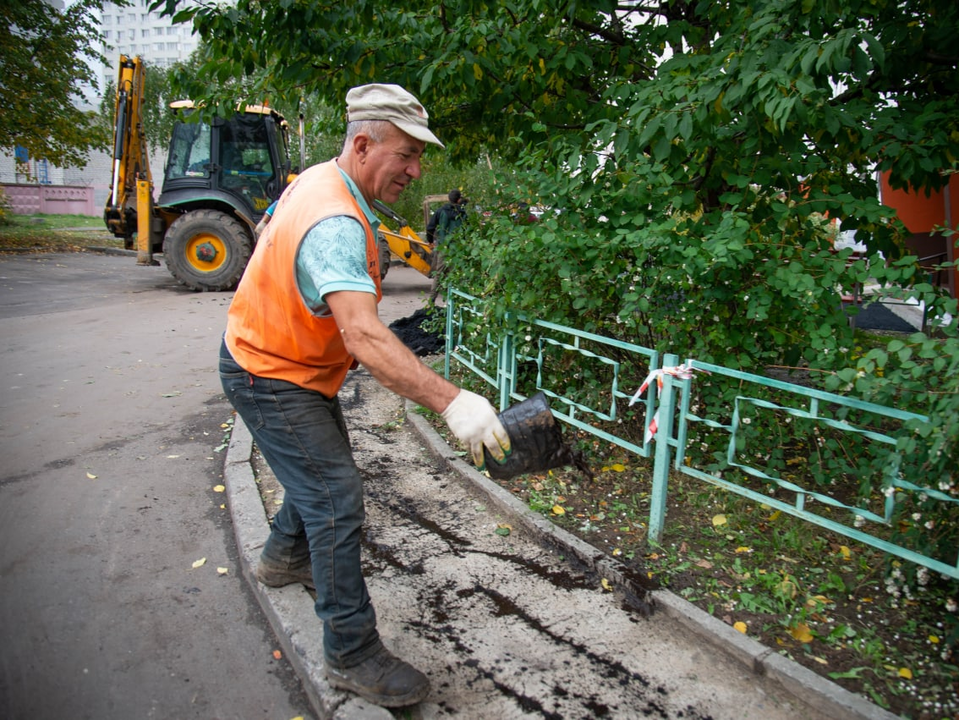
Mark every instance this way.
x=514 y=362
x=597 y=392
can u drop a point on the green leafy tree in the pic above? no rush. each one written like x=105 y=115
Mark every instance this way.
x=43 y=54
x=700 y=151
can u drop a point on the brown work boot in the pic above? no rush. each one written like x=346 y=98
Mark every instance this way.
x=273 y=574
x=383 y=679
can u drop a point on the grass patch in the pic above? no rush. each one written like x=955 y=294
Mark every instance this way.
x=54 y=233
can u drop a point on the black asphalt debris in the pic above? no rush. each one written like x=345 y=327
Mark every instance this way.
x=411 y=332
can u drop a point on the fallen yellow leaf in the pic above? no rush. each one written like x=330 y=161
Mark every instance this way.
x=219 y=488
x=905 y=673
x=91 y=476
x=774 y=516
x=820 y=660
x=788 y=588
x=198 y=563
x=801 y=633
x=557 y=510
x=740 y=626
x=605 y=584
x=719 y=520
x=743 y=549
x=617 y=467
x=845 y=551
x=222 y=570
x=933 y=638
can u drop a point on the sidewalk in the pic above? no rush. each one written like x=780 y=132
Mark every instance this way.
x=515 y=626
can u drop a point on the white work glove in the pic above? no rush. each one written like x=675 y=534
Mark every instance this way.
x=475 y=423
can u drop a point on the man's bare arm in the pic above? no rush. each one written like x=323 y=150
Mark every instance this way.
x=375 y=347
x=469 y=416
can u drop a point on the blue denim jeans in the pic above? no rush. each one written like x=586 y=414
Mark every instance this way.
x=303 y=436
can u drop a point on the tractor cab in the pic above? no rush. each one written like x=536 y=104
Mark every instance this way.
x=240 y=163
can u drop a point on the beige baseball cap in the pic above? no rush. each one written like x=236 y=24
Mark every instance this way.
x=392 y=103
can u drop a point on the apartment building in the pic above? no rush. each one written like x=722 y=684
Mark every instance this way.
x=136 y=30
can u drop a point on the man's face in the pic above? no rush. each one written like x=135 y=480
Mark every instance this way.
x=388 y=166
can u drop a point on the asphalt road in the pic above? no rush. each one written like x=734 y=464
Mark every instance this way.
x=111 y=441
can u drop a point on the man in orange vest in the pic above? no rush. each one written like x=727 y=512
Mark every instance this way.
x=304 y=313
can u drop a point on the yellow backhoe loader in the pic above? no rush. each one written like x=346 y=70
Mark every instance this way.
x=218 y=180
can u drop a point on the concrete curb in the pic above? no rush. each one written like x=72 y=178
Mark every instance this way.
x=288 y=609
x=295 y=624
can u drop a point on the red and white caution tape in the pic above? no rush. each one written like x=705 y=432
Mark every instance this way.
x=682 y=372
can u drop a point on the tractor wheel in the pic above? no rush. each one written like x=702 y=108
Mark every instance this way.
x=207 y=250
x=384 y=250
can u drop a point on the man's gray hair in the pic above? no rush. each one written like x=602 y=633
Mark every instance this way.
x=375 y=129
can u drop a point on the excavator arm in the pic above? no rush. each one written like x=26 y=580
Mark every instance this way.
x=129 y=207
x=405 y=243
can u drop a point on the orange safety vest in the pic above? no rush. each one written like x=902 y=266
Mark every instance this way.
x=270 y=330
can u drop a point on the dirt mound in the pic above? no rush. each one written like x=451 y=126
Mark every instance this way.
x=411 y=332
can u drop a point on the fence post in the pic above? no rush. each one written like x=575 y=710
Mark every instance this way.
x=505 y=379
x=449 y=340
x=661 y=457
